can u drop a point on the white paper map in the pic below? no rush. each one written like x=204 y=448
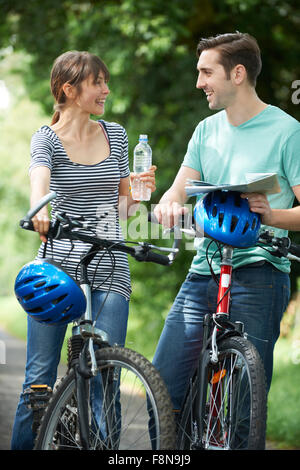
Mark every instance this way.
x=266 y=183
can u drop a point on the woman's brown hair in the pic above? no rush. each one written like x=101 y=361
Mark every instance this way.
x=235 y=48
x=73 y=67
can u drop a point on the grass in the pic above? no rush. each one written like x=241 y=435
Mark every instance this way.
x=283 y=427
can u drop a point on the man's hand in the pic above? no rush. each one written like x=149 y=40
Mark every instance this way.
x=259 y=203
x=168 y=213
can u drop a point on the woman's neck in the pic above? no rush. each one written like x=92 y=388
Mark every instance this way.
x=74 y=124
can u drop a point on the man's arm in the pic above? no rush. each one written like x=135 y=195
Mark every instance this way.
x=288 y=219
x=170 y=207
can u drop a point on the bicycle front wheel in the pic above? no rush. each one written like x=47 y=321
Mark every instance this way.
x=126 y=392
x=231 y=411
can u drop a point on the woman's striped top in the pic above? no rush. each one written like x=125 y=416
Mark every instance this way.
x=91 y=191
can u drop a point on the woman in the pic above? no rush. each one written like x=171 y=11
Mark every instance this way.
x=86 y=163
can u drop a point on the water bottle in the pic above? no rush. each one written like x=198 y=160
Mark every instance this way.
x=142 y=161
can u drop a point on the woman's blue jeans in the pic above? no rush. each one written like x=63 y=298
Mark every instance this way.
x=259 y=297
x=44 y=343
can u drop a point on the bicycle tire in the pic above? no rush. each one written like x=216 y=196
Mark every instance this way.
x=59 y=425
x=233 y=410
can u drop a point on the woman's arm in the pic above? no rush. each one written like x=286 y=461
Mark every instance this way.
x=40 y=183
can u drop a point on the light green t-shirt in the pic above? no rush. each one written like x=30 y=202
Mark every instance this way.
x=222 y=153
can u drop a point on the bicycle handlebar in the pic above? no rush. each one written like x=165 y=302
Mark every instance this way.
x=295 y=250
x=282 y=245
x=64 y=225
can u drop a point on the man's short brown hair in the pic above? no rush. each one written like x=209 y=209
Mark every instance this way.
x=235 y=48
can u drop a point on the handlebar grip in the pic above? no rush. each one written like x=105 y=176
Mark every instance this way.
x=157 y=258
x=294 y=250
x=34 y=210
x=26 y=224
x=53 y=228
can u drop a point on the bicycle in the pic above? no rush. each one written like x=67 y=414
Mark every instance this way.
x=131 y=388
x=225 y=406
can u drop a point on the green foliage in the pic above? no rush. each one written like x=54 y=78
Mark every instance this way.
x=16 y=127
x=283 y=403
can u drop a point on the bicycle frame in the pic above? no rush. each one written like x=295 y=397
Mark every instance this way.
x=215 y=325
x=225 y=281
x=85 y=327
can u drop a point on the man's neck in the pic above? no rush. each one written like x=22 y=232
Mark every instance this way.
x=245 y=107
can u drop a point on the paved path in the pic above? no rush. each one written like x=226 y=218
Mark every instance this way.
x=11 y=380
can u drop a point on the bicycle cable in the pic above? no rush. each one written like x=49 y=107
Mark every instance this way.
x=209 y=261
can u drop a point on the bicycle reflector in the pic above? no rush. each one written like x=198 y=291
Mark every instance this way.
x=224 y=216
x=48 y=294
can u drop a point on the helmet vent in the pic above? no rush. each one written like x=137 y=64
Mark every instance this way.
x=208 y=199
x=237 y=200
x=35 y=310
x=40 y=284
x=67 y=309
x=214 y=211
x=223 y=197
x=28 y=297
x=253 y=224
x=49 y=288
x=221 y=218
x=245 y=228
x=59 y=299
x=234 y=221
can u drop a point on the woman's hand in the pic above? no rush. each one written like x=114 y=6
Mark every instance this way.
x=147 y=176
x=41 y=224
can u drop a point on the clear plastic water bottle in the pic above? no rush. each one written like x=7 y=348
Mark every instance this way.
x=142 y=161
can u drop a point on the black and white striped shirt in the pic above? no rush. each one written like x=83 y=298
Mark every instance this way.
x=91 y=191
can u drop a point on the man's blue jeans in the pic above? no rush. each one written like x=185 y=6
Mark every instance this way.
x=44 y=343
x=259 y=296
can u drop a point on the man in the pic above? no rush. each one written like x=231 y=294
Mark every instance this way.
x=246 y=136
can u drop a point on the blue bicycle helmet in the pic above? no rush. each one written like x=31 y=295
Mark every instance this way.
x=224 y=216
x=48 y=294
